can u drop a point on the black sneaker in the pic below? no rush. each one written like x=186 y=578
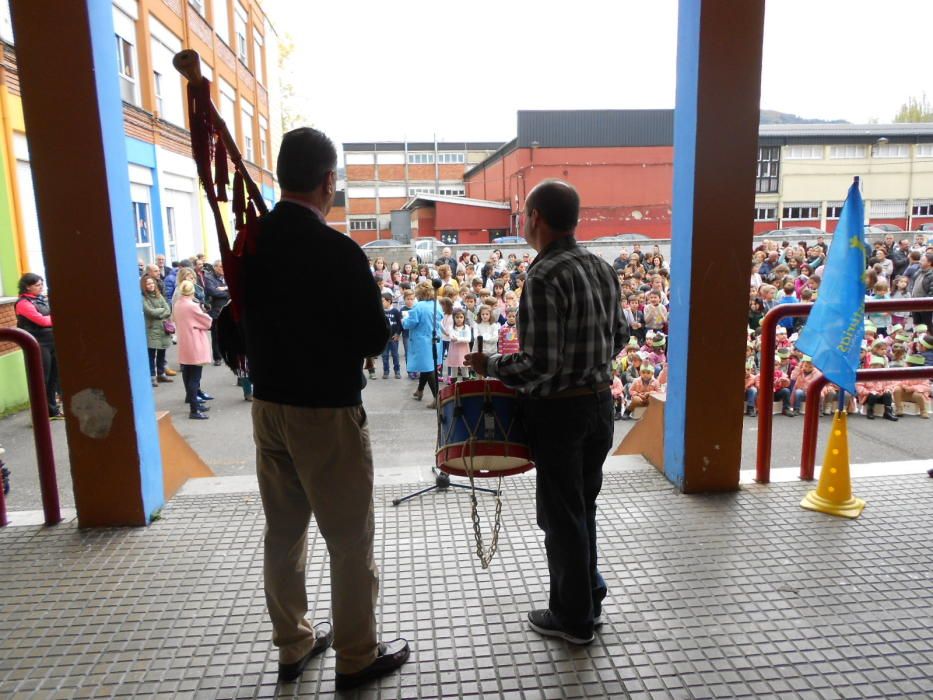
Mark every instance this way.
x=323 y=638
x=543 y=622
x=391 y=655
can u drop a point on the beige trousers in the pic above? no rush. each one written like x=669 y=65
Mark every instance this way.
x=901 y=395
x=318 y=461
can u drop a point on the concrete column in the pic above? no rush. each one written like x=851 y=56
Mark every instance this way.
x=74 y=122
x=715 y=152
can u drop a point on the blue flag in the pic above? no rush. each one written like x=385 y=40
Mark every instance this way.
x=833 y=333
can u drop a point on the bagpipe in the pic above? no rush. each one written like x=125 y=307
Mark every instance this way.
x=213 y=150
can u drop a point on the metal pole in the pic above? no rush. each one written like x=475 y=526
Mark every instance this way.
x=41 y=428
x=810 y=428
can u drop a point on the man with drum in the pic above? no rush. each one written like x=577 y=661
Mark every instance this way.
x=570 y=327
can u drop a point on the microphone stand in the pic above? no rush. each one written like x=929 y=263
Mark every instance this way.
x=442 y=480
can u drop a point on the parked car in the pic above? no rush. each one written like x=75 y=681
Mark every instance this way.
x=886 y=228
x=390 y=242
x=623 y=238
x=510 y=239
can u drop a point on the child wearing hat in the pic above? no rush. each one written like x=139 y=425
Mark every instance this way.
x=898 y=356
x=780 y=338
x=656 y=355
x=803 y=376
x=916 y=390
x=633 y=371
x=925 y=348
x=875 y=392
x=640 y=389
x=879 y=350
x=782 y=382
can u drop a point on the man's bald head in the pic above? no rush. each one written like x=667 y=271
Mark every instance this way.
x=557 y=203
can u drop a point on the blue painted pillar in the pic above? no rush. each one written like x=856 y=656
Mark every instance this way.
x=74 y=122
x=715 y=151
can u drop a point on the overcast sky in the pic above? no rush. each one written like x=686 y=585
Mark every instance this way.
x=384 y=70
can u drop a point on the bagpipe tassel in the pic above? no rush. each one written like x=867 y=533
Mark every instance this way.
x=221 y=173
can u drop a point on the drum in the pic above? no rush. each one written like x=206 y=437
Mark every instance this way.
x=479 y=433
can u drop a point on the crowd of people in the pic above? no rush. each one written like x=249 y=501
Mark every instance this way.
x=479 y=300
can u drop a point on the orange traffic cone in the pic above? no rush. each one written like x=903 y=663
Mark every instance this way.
x=833 y=495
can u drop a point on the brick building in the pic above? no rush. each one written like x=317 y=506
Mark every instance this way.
x=382 y=176
x=237 y=45
x=621 y=161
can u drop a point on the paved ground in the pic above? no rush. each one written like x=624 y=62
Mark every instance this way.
x=403 y=436
x=743 y=595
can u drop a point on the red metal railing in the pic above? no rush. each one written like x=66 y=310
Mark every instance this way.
x=41 y=430
x=811 y=419
x=766 y=370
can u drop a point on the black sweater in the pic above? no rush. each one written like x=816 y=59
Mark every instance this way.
x=300 y=353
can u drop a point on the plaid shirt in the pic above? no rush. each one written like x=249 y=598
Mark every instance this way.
x=570 y=323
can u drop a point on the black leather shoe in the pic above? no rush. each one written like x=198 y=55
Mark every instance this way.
x=204 y=397
x=543 y=622
x=391 y=656
x=323 y=638
x=197 y=415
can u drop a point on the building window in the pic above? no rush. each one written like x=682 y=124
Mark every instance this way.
x=199 y=6
x=391 y=191
x=833 y=210
x=925 y=150
x=451 y=158
x=889 y=208
x=263 y=142
x=143 y=230
x=227 y=102
x=362 y=224
x=157 y=79
x=452 y=190
x=415 y=191
x=890 y=150
x=765 y=212
x=246 y=126
x=803 y=153
x=769 y=161
x=450 y=237
x=240 y=22
x=848 y=151
x=420 y=158
x=259 y=69
x=359 y=192
x=359 y=158
x=126 y=64
x=221 y=20
x=923 y=207
x=801 y=210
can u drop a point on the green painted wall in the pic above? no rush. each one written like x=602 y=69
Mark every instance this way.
x=9 y=265
x=14 y=393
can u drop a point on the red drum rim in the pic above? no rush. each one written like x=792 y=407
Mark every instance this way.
x=458 y=451
x=476 y=387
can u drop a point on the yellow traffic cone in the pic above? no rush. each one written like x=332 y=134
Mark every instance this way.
x=833 y=495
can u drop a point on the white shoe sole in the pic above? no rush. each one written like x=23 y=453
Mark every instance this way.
x=560 y=635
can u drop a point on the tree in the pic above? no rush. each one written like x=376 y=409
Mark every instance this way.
x=292 y=114
x=915 y=110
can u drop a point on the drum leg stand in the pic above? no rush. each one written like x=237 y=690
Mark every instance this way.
x=441 y=483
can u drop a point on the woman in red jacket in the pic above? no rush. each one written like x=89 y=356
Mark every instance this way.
x=34 y=316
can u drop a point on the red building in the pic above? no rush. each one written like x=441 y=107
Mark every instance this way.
x=621 y=162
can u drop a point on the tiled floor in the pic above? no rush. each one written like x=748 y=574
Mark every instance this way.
x=741 y=595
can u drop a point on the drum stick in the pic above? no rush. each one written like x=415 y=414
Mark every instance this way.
x=479 y=344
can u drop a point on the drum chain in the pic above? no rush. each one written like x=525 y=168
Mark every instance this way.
x=484 y=554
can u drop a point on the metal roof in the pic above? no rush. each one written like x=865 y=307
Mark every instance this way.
x=466 y=201
x=781 y=134
x=369 y=146
x=595 y=128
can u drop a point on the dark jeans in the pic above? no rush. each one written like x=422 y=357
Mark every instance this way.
x=156 y=362
x=923 y=317
x=391 y=349
x=429 y=379
x=50 y=371
x=783 y=395
x=191 y=376
x=569 y=440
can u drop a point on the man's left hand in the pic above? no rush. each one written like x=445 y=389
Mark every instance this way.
x=479 y=361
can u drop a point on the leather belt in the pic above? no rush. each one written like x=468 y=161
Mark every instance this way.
x=579 y=391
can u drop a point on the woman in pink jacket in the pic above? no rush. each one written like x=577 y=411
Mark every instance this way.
x=192 y=329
